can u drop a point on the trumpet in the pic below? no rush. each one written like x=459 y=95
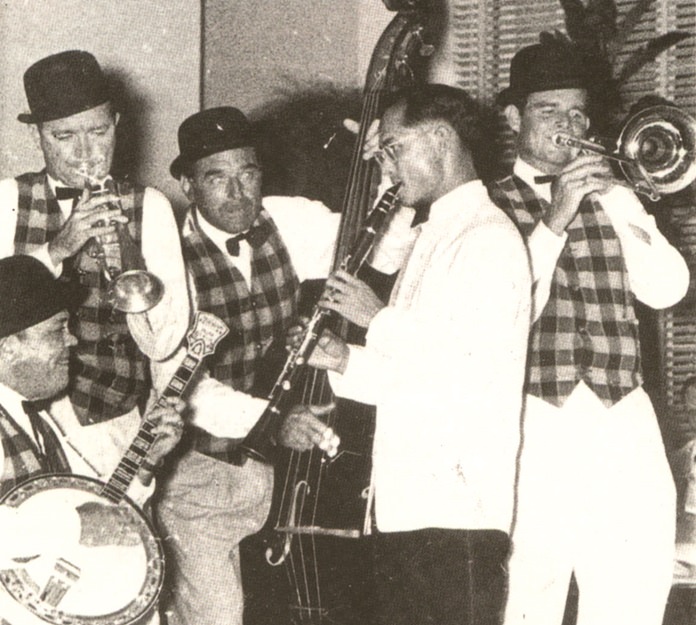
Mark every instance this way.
x=655 y=150
x=131 y=288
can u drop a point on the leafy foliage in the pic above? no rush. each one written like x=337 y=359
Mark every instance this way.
x=594 y=29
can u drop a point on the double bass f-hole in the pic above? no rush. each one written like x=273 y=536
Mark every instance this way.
x=301 y=489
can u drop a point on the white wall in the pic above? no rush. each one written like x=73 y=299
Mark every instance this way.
x=254 y=49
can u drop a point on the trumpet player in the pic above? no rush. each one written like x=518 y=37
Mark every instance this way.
x=595 y=494
x=51 y=215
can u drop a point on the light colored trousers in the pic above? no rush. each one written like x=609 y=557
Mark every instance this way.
x=595 y=497
x=205 y=508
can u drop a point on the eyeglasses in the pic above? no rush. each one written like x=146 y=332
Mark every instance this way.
x=388 y=151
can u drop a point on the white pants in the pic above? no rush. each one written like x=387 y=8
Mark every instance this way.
x=595 y=497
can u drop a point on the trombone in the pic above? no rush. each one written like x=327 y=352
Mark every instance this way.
x=655 y=150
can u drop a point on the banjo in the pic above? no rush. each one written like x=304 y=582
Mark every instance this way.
x=115 y=580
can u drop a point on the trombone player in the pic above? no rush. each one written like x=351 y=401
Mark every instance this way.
x=595 y=494
x=52 y=216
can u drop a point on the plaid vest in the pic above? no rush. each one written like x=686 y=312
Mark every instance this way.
x=256 y=316
x=108 y=373
x=588 y=330
x=22 y=460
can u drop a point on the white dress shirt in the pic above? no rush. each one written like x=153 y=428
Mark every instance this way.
x=309 y=230
x=444 y=364
x=658 y=275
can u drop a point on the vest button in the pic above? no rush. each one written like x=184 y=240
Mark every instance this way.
x=581 y=327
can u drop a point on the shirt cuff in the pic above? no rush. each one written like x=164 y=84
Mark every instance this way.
x=41 y=254
x=360 y=380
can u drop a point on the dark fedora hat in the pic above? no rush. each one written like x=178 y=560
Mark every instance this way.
x=29 y=294
x=543 y=67
x=62 y=85
x=209 y=132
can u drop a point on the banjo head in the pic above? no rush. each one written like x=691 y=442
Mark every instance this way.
x=116 y=582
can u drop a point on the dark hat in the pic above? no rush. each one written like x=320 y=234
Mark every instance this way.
x=209 y=132
x=29 y=294
x=543 y=67
x=62 y=85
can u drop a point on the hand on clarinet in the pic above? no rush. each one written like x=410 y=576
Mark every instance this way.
x=302 y=429
x=330 y=352
x=588 y=173
x=351 y=298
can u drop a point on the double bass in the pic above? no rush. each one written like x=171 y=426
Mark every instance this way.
x=320 y=502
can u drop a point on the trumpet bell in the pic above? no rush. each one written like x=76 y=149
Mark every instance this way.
x=135 y=291
x=659 y=144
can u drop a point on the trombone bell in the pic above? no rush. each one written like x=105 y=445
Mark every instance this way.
x=661 y=140
x=655 y=150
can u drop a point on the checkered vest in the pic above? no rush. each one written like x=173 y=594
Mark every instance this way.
x=22 y=461
x=108 y=373
x=255 y=317
x=588 y=330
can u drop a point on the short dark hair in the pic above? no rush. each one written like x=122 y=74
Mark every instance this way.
x=433 y=102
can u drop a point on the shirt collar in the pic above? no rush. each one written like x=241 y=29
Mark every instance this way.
x=217 y=236
x=452 y=205
x=526 y=172
x=11 y=400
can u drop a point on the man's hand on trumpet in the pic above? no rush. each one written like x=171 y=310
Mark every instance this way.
x=84 y=223
x=588 y=173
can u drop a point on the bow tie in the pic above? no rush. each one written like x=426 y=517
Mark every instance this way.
x=544 y=179
x=255 y=237
x=68 y=193
x=420 y=217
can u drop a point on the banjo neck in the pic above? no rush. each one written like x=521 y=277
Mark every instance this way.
x=202 y=340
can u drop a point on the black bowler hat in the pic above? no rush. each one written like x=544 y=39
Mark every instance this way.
x=62 y=85
x=209 y=132
x=543 y=67
x=29 y=294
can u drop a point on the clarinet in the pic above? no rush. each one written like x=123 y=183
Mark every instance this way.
x=259 y=443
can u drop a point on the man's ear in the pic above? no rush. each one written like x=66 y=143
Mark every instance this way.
x=35 y=135
x=513 y=117
x=9 y=349
x=186 y=187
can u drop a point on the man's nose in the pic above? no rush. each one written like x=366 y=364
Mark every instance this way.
x=83 y=147
x=564 y=120
x=70 y=339
x=234 y=187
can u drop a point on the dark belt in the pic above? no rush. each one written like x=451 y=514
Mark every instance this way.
x=223 y=449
